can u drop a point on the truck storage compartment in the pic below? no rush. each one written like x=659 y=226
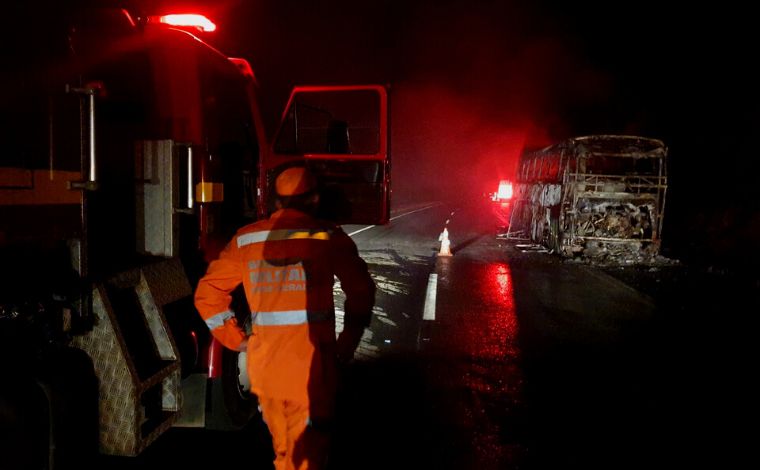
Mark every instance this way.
x=135 y=357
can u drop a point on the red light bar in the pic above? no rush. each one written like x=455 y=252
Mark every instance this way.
x=188 y=20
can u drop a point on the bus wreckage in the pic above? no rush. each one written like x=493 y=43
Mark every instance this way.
x=599 y=197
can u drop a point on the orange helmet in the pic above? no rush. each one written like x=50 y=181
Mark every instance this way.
x=295 y=181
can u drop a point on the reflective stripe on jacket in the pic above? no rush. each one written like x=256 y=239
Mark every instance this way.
x=287 y=265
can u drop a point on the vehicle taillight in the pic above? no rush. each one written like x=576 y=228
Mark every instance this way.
x=505 y=190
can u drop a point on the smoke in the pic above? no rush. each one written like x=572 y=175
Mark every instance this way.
x=444 y=147
x=473 y=86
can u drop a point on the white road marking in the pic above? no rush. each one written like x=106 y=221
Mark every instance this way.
x=428 y=313
x=393 y=218
x=432 y=287
x=416 y=210
x=360 y=230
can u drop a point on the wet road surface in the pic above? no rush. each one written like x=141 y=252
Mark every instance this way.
x=528 y=363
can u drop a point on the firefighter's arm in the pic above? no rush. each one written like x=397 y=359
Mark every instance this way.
x=213 y=298
x=359 y=288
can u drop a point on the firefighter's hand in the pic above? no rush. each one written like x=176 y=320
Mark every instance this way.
x=243 y=346
x=348 y=341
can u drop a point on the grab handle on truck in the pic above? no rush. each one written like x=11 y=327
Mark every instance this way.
x=185 y=156
x=90 y=92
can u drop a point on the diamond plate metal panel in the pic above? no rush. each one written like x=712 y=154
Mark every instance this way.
x=167 y=281
x=125 y=426
x=117 y=377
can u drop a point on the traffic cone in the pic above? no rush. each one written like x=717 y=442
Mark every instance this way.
x=445 y=243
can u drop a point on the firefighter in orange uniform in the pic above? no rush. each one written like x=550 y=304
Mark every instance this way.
x=287 y=265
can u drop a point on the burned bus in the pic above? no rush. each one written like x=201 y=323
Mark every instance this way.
x=597 y=197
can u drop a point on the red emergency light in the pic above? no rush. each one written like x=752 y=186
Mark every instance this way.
x=187 y=20
x=505 y=191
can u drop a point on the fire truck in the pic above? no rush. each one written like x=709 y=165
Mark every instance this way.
x=132 y=150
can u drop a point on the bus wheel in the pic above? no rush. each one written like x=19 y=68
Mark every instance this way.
x=232 y=405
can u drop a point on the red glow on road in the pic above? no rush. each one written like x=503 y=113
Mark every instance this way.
x=496 y=333
x=490 y=334
x=506 y=320
x=502 y=279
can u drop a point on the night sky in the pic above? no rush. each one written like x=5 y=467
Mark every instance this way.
x=475 y=82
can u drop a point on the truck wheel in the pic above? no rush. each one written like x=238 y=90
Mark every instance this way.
x=25 y=432
x=232 y=405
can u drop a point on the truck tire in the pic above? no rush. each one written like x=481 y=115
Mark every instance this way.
x=231 y=404
x=25 y=432
x=49 y=418
x=72 y=388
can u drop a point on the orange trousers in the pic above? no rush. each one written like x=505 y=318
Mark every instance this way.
x=297 y=444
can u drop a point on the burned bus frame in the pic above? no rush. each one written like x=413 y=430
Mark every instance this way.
x=593 y=196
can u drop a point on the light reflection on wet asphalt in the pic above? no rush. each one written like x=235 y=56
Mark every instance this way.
x=507 y=376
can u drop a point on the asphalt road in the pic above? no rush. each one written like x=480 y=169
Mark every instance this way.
x=529 y=363
x=501 y=356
